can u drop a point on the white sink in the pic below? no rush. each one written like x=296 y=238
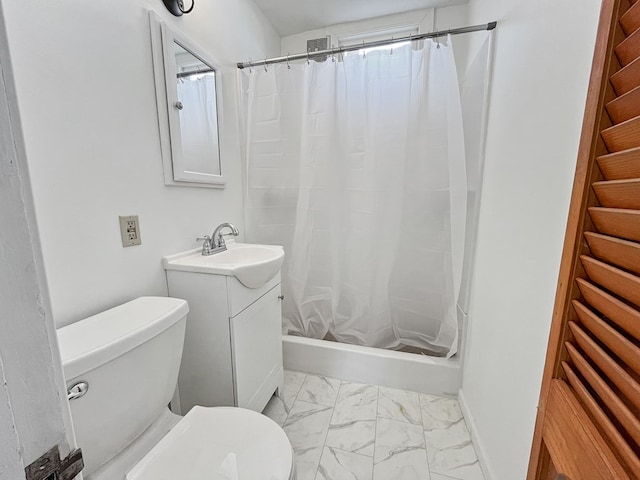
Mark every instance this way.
x=253 y=265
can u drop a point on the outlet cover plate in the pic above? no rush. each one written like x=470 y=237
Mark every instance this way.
x=130 y=230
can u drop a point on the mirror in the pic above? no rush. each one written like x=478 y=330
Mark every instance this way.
x=197 y=117
x=188 y=94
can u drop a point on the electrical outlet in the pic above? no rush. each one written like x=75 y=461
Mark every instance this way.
x=130 y=230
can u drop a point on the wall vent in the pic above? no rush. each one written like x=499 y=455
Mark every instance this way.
x=316 y=44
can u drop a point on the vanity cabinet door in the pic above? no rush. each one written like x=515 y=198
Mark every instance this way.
x=256 y=343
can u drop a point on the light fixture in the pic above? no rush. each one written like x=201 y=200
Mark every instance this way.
x=176 y=7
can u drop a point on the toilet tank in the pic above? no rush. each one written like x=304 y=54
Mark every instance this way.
x=130 y=358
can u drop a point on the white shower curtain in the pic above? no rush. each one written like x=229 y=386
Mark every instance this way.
x=357 y=167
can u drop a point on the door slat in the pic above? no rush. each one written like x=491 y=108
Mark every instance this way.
x=617 y=343
x=622 y=136
x=627 y=79
x=623 y=194
x=606 y=394
x=621 y=253
x=620 y=165
x=625 y=107
x=625 y=452
x=621 y=283
x=621 y=223
x=623 y=315
x=611 y=369
x=630 y=21
x=629 y=49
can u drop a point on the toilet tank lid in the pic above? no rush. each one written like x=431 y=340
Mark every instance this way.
x=96 y=340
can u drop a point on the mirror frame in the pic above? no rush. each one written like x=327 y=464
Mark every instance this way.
x=162 y=39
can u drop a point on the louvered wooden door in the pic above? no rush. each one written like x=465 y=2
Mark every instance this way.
x=588 y=425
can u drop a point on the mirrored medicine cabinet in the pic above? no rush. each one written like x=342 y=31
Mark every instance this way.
x=189 y=99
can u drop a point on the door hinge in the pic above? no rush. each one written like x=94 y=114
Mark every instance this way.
x=51 y=467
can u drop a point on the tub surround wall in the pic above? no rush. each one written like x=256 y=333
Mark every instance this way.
x=86 y=95
x=542 y=62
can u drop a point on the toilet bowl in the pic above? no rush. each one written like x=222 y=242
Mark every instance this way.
x=121 y=368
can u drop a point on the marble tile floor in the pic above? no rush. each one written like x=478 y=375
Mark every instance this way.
x=349 y=431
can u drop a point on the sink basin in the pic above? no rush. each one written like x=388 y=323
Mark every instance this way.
x=253 y=265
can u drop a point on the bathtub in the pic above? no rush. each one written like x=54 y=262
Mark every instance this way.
x=353 y=363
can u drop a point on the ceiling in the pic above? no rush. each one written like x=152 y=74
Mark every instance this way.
x=296 y=16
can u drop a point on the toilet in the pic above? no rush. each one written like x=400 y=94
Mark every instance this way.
x=121 y=368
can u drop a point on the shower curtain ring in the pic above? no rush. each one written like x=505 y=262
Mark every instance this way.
x=364 y=53
x=308 y=62
x=288 y=64
x=265 y=64
x=250 y=65
x=391 y=51
x=333 y=55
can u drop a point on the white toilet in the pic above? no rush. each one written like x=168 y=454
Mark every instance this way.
x=122 y=367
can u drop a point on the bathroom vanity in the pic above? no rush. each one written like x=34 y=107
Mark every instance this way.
x=233 y=343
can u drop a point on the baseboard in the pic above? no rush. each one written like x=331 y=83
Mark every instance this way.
x=483 y=459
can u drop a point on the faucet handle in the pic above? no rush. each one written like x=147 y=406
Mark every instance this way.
x=233 y=233
x=206 y=246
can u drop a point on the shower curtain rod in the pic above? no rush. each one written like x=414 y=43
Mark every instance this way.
x=194 y=72
x=377 y=43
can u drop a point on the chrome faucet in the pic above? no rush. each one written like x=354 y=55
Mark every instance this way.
x=215 y=243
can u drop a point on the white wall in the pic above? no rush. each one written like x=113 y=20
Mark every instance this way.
x=423 y=19
x=453 y=17
x=426 y=20
x=34 y=412
x=543 y=52
x=86 y=96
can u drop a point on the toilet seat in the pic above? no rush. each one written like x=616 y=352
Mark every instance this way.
x=221 y=443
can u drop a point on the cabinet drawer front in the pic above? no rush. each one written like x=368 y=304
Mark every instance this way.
x=256 y=340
